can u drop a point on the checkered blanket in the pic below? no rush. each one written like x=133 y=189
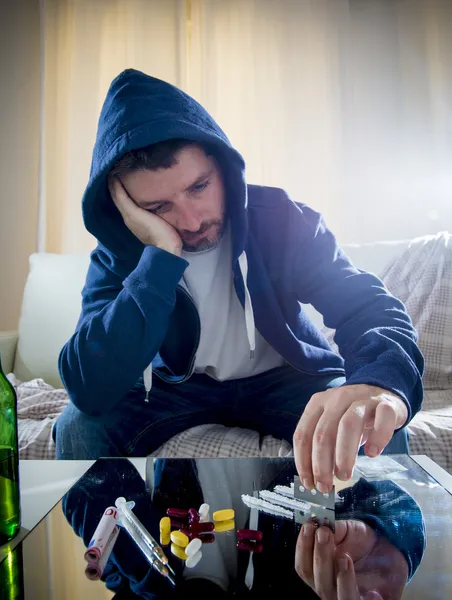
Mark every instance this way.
x=39 y=405
x=421 y=278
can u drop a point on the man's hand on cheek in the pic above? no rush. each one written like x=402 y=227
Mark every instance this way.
x=150 y=229
x=336 y=423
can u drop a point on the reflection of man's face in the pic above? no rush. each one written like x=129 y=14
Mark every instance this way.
x=189 y=196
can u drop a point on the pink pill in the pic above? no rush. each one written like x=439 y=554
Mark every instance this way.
x=177 y=513
x=250 y=534
x=202 y=527
x=193 y=515
x=250 y=546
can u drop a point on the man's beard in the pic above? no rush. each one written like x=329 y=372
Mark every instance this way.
x=203 y=243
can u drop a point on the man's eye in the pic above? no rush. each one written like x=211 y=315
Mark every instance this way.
x=158 y=209
x=200 y=186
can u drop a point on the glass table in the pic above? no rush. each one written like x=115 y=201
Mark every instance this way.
x=396 y=515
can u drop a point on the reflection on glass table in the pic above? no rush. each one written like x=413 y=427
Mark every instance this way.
x=378 y=524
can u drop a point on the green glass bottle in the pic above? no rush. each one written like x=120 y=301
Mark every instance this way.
x=11 y=575
x=9 y=462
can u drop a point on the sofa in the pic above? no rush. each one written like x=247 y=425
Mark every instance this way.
x=51 y=306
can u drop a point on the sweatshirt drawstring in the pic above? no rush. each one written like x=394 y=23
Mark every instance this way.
x=147 y=376
x=249 y=314
x=249 y=322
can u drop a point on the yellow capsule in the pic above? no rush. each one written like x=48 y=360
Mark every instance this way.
x=179 y=538
x=165 y=525
x=165 y=539
x=224 y=515
x=221 y=526
x=178 y=551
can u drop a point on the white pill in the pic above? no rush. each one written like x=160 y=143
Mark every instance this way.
x=193 y=547
x=193 y=560
x=203 y=512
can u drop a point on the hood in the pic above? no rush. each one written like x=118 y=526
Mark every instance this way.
x=138 y=111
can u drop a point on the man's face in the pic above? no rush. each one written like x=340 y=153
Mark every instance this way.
x=189 y=196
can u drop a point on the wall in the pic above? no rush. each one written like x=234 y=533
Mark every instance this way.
x=19 y=149
x=363 y=92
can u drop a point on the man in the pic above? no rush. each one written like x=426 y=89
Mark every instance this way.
x=199 y=279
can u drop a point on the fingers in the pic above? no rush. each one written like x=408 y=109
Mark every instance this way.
x=302 y=443
x=350 y=432
x=383 y=430
x=340 y=531
x=347 y=588
x=304 y=553
x=334 y=425
x=314 y=559
x=323 y=449
x=121 y=198
x=315 y=439
x=324 y=575
x=331 y=576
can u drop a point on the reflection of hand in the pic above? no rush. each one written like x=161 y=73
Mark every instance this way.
x=149 y=228
x=352 y=564
x=335 y=423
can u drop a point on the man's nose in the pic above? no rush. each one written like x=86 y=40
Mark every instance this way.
x=189 y=220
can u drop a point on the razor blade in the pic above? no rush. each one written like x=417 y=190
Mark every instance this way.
x=313 y=496
x=318 y=514
x=321 y=505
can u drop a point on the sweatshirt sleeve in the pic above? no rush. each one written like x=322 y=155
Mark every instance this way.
x=122 y=325
x=373 y=331
x=391 y=512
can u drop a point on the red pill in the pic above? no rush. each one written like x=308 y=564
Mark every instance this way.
x=202 y=527
x=250 y=546
x=207 y=538
x=250 y=534
x=193 y=515
x=178 y=524
x=188 y=532
x=177 y=513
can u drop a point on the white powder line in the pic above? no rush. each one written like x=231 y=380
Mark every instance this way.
x=284 y=501
x=266 y=507
x=285 y=490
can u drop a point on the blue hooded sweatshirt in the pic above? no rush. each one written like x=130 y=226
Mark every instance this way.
x=135 y=312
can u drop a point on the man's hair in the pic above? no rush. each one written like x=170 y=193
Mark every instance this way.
x=162 y=155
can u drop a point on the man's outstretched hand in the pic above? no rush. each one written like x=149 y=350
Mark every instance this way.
x=351 y=564
x=336 y=423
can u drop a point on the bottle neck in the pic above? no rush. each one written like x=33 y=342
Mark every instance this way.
x=2 y=374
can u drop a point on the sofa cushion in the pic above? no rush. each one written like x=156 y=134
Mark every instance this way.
x=50 y=311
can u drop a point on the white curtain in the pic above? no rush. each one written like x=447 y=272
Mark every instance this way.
x=344 y=103
x=87 y=43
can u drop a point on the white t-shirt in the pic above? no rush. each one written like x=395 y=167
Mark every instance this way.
x=223 y=351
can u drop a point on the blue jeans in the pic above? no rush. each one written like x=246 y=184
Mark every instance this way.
x=270 y=403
